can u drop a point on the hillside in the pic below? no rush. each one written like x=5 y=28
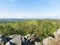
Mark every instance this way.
x=42 y=28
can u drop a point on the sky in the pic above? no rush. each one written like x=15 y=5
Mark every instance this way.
x=30 y=9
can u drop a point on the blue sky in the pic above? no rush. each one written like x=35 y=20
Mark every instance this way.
x=29 y=9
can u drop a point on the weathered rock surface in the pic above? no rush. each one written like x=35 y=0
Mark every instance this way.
x=28 y=36
x=57 y=37
x=57 y=34
x=34 y=38
x=15 y=41
x=48 y=41
x=13 y=36
x=30 y=39
x=38 y=43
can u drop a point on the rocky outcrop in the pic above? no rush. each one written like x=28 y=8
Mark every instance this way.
x=30 y=39
x=2 y=39
x=57 y=37
x=57 y=34
x=49 y=41
x=23 y=40
x=15 y=41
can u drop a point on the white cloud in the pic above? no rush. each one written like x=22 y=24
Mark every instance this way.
x=29 y=15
